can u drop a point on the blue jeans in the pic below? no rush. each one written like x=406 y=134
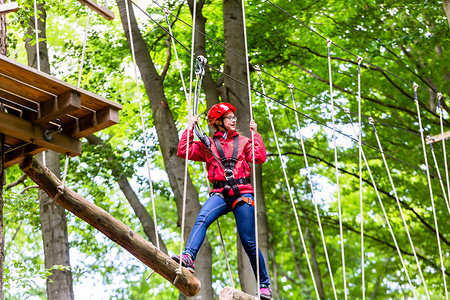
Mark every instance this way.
x=244 y=214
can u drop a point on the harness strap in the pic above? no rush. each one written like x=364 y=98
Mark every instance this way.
x=248 y=200
x=221 y=184
x=229 y=165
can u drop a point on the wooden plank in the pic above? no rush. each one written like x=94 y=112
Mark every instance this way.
x=438 y=137
x=27 y=131
x=114 y=229
x=55 y=108
x=40 y=81
x=103 y=11
x=229 y=293
x=8 y=7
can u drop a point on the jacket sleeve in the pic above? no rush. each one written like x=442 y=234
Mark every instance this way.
x=196 y=148
x=260 y=150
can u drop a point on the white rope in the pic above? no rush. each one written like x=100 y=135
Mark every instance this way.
x=167 y=13
x=144 y=134
x=36 y=30
x=312 y=190
x=439 y=96
x=439 y=175
x=335 y=149
x=361 y=203
x=383 y=209
x=430 y=188
x=258 y=279
x=84 y=48
x=400 y=209
x=183 y=217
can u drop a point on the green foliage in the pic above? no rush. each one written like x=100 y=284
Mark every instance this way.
x=406 y=38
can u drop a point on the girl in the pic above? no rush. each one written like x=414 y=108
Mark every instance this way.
x=232 y=189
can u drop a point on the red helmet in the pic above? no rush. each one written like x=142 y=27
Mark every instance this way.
x=219 y=110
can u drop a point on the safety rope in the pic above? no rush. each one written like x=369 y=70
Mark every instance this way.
x=333 y=120
x=247 y=64
x=361 y=203
x=188 y=129
x=144 y=133
x=430 y=188
x=441 y=181
x=382 y=207
x=84 y=48
x=397 y=199
x=439 y=96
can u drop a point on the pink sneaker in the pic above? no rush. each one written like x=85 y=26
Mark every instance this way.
x=265 y=292
x=186 y=261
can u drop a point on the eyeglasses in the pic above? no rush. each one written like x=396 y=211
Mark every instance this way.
x=231 y=118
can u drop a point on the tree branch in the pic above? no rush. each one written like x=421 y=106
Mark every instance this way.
x=17 y=182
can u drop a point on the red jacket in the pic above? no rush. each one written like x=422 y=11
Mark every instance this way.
x=242 y=169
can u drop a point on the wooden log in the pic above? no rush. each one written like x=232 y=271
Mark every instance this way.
x=102 y=11
x=112 y=228
x=438 y=137
x=8 y=7
x=229 y=293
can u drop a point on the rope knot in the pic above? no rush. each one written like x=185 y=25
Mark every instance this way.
x=328 y=42
x=347 y=111
x=166 y=11
x=359 y=59
x=257 y=68
x=371 y=121
x=415 y=86
x=200 y=68
x=291 y=86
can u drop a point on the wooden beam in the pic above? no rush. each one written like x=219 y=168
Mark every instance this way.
x=438 y=137
x=15 y=156
x=229 y=293
x=8 y=7
x=33 y=133
x=91 y=123
x=114 y=229
x=103 y=11
x=56 y=108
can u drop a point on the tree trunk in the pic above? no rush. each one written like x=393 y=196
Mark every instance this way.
x=3 y=49
x=168 y=141
x=53 y=221
x=446 y=4
x=139 y=209
x=237 y=94
x=315 y=264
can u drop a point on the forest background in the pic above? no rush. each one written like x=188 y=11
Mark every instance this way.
x=401 y=42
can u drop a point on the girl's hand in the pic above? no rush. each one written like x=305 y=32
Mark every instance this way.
x=253 y=126
x=192 y=121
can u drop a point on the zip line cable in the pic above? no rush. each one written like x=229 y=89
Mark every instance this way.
x=144 y=132
x=276 y=78
x=397 y=199
x=285 y=105
x=430 y=188
x=382 y=208
x=345 y=50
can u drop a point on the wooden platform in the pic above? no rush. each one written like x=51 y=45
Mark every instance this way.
x=39 y=112
x=8 y=7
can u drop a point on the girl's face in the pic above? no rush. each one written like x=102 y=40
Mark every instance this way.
x=229 y=121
